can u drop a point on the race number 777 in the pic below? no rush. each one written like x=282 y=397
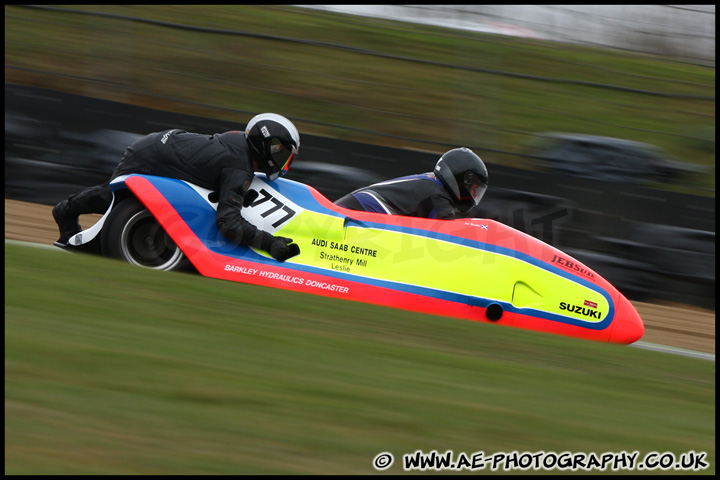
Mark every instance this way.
x=275 y=206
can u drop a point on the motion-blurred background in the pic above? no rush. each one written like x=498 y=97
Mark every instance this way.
x=597 y=122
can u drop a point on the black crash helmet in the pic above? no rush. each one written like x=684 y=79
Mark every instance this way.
x=464 y=176
x=275 y=141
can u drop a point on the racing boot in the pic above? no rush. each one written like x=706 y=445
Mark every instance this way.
x=95 y=199
x=67 y=223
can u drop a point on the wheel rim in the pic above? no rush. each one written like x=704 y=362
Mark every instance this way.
x=143 y=242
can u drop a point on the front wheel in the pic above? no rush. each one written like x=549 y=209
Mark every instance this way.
x=131 y=233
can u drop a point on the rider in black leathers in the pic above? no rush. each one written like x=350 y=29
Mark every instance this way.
x=225 y=162
x=457 y=184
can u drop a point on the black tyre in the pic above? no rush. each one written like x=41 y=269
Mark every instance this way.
x=131 y=233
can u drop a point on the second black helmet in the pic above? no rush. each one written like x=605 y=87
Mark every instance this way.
x=464 y=176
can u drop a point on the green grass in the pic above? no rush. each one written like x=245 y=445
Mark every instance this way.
x=375 y=99
x=113 y=369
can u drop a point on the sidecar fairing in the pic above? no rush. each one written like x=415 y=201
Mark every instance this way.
x=475 y=269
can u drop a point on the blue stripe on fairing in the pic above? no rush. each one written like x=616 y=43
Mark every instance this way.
x=199 y=215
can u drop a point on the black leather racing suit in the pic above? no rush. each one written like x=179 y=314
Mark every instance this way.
x=420 y=195
x=218 y=162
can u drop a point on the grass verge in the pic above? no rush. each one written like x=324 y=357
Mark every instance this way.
x=112 y=369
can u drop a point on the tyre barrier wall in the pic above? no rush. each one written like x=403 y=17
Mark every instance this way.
x=651 y=244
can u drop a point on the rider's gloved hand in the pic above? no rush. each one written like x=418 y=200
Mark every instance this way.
x=250 y=197
x=282 y=248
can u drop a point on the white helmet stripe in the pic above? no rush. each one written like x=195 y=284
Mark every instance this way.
x=279 y=119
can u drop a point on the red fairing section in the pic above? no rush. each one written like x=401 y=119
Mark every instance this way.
x=211 y=264
x=627 y=326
